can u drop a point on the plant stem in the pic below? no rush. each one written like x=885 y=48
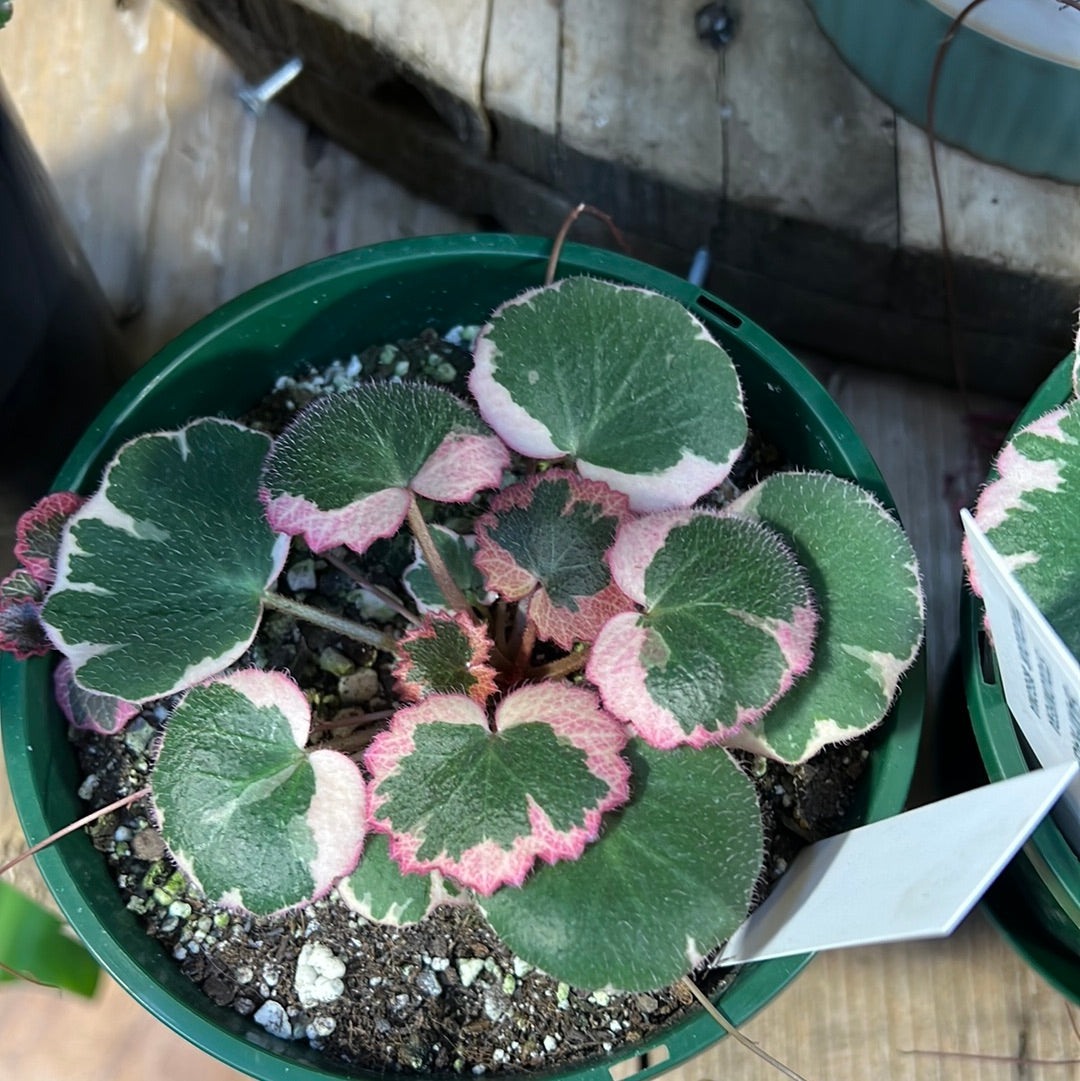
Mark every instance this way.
x=524 y=653
x=353 y=722
x=731 y=1030
x=568 y=221
x=564 y=666
x=337 y=624
x=443 y=579
x=384 y=595
x=84 y=821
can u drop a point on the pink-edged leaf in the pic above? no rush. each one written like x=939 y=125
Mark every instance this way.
x=21 y=630
x=84 y=709
x=481 y=806
x=253 y=819
x=551 y=534
x=446 y=654
x=728 y=627
x=38 y=533
x=342 y=472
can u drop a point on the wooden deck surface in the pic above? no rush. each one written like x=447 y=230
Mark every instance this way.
x=182 y=200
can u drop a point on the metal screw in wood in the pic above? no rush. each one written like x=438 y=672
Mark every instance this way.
x=256 y=98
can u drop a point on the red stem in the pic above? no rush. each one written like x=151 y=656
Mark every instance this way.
x=564 y=229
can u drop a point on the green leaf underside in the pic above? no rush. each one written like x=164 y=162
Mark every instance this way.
x=709 y=658
x=1031 y=515
x=557 y=537
x=864 y=573
x=232 y=791
x=670 y=879
x=161 y=575
x=358 y=443
x=445 y=656
x=458 y=557
x=380 y=892
x=463 y=785
x=622 y=378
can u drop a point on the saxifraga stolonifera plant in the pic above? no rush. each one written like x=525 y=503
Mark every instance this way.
x=576 y=669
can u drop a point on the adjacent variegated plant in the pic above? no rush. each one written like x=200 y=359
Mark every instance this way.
x=589 y=638
x=1030 y=513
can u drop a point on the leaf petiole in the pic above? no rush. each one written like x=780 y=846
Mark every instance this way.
x=347 y=627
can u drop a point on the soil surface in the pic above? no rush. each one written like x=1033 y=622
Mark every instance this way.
x=444 y=995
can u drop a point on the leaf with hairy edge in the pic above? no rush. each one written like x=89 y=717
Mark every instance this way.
x=21 y=630
x=162 y=571
x=669 y=881
x=38 y=533
x=1031 y=515
x=481 y=806
x=255 y=821
x=341 y=473
x=94 y=712
x=457 y=553
x=381 y=893
x=445 y=655
x=551 y=534
x=728 y=626
x=625 y=380
x=865 y=576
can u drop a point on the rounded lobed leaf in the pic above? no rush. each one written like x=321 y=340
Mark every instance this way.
x=551 y=534
x=38 y=533
x=342 y=471
x=669 y=881
x=624 y=380
x=728 y=626
x=379 y=892
x=482 y=806
x=21 y=631
x=446 y=654
x=865 y=576
x=84 y=709
x=251 y=818
x=457 y=554
x=161 y=572
x=1031 y=513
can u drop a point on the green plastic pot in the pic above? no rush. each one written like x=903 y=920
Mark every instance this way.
x=1037 y=901
x=1006 y=104
x=223 y=365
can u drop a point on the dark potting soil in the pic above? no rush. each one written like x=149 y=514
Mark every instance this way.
x=443 y=995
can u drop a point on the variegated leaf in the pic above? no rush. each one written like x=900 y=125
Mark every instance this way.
x=549 y=537
x=95 y=712
x=161 y=573
x=623 y=380
x=445 y=655
x=457 y=554
x=343 y=471
x=727 y=627
x=38 y=533
x=865 y=576
x=255 y=821
x=481 y=804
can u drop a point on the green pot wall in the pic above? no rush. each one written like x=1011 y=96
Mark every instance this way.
x=1000 y=103
x=1037 y=903
x=222 y=365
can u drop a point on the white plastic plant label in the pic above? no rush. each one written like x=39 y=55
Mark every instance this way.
x=913 y=876
x=1040 y=677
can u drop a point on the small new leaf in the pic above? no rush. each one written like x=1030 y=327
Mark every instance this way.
x=21 y=630
x=161 y=573
x=728 y=626
x=342 y=472
x=481 y=806
x=551 y=534
x=255 y=821
x=95 y=712
x=457 y=554
x=445 y=655
x=670 y=879
x=865 y=576
x=624 y=380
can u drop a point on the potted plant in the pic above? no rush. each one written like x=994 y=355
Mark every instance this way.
x=1029 y=507
x=573 y=568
